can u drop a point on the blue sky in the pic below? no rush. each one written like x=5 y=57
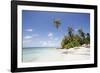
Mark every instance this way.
x=39 y=29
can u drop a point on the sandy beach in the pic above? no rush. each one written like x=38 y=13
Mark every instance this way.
x=45 y=32
x=53 y=55
x=67 y=55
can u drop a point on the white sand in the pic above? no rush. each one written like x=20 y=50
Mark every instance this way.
x=66 y=55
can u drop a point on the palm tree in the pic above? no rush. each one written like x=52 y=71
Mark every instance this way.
x=88 y=37
x=57 y=22
x=70 y=31
x=82 y=35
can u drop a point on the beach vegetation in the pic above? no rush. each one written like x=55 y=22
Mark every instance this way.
x=71 y=38
x=75 y=39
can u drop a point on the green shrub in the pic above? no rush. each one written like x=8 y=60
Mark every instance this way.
x=75 y=40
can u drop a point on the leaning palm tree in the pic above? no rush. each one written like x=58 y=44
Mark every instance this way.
x=57 y=22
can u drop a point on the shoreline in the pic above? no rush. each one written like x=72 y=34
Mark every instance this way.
x=72 y=54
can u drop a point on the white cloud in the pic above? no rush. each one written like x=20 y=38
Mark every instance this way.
x=27 y=37
x=30 y=30
x=26 y=41
x=50 y=34
x=49 y=43
x=30 y=36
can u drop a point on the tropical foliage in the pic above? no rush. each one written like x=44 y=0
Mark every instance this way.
x=74 y=40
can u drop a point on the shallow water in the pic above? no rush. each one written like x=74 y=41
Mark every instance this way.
x=33 y=54
x=45 y=54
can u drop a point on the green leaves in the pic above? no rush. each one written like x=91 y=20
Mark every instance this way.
x=72 y=40
x=69 y=43
x=57 y=22
x=70 y=31
x=75 y=40
x=81 y=33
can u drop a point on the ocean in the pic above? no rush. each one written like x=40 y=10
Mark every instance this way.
x=51 y=54
x=35 y=53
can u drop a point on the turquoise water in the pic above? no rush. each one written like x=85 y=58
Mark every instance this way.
x=33 y=54
x=49 y=54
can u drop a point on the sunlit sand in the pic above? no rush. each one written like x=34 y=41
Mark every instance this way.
x=72 y=54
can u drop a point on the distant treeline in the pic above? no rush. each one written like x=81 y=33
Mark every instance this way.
x=73 y=39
